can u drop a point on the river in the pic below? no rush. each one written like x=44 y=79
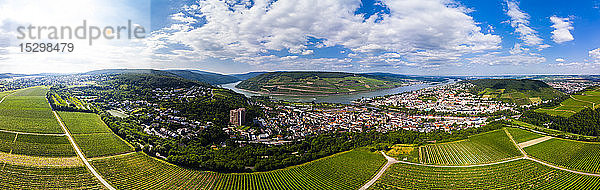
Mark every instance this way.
x=343 y=98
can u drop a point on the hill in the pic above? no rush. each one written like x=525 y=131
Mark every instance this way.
x=517 y=91
x=194 y=75
x=203 y=76
x=317 y=83
x=247 y=76
x=589 y=98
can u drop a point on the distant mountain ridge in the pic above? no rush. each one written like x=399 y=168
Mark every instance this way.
x=321 y=83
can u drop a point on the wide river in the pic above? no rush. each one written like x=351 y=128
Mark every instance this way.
x=343 y=98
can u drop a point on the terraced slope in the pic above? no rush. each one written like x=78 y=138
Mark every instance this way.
x=520 y=135
x=92 y=135
x=349 y=170
x=484 y=148
x=520 y=174
x=22 y=177
x=569 y=154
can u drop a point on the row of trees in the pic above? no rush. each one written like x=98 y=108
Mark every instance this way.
x=585 y=122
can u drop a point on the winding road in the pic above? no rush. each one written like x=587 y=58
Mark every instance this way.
x=390 y=161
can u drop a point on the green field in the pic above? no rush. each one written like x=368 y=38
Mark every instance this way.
x=92 y=135
x=520 y=174
x=42 y=145
x=101 y=144
x=478 y=149
x=520 y=135
x=21 y=177
x=574 y=155
x=349 y=170
x=27 y=111
x=589 y=99
x=83 y=123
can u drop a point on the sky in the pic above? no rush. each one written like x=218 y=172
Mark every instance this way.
x=420 y=37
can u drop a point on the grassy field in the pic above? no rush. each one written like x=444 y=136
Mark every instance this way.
x=483 y=148
x=349 y=170
x=569 y=154
x=520 y=135
x=22 y=177
x=27 y=111
x=520 y=174
x=92 y=135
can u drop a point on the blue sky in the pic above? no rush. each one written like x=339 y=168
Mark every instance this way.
x=496 y=24
x=424 y=37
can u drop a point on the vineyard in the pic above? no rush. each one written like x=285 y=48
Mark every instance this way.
x=92 y=135
x=483 y=148
x=588 y=99
x=43 y=145
x=520 y=135
x=83 y=123
x=520 y=174
x=22 y=177
x=574 y=155
x=27 y=111
x=101 y=144
x=349 y=170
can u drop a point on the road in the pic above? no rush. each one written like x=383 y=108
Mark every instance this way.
x=80 y=154
x=390 y=161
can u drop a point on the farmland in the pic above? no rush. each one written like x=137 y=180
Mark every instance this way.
x=101 y=144
x=574 y=155
x=519 y=174
x=83 y=123
x=92 y=135
x=483 y=148
x=349 y=170
x=520 y=135
x=23 y=177
x=588 y=99
x=43 y=145
x=27 y=111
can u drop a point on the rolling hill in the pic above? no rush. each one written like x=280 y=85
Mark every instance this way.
x=517 y=91
x=319 y=83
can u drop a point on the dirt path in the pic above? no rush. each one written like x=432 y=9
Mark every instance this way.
x=390 y=161
x=515 y=143
x=534 y=141
x=547 y=164
x=80 y=154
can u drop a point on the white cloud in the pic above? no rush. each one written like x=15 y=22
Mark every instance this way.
x=520 y=21
x=595 y=54
x=562 y=27
x=560 y=60
x=307 y=52
x=420 y=30
x=495 y=58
